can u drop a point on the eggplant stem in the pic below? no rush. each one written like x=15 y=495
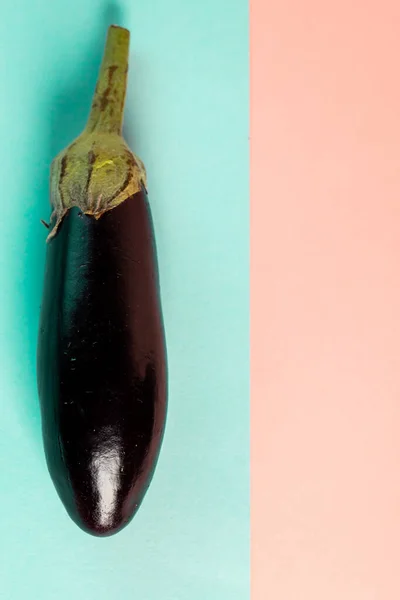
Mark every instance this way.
x=98 y=171
x=107 y=112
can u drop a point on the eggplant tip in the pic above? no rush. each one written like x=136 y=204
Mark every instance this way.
x=100 y=523
x=97 y=529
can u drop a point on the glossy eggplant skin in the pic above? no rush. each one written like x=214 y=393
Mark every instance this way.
x=102 y=363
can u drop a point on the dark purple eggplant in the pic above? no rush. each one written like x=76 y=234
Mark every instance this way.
x=101 y=352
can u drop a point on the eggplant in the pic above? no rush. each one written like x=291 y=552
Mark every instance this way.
x=101 y=361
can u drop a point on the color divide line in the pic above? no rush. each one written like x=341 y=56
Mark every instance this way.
x=258 y=325
x=325 y=298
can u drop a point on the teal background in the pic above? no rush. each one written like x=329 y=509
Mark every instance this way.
x=187 y=117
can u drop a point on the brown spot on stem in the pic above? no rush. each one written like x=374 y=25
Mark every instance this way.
x=64 y=161
x=111 y=71
x=91 y=161
x=105 y=97
x=123 y=186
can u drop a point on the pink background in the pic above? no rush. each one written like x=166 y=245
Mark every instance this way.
x=325 y=269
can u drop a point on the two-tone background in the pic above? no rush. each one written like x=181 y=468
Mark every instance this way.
x=275 y=189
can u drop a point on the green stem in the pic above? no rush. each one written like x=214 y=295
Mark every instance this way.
x=107 y=112
x=97 y=171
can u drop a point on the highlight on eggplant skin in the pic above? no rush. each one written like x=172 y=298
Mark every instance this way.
x=102 y=374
